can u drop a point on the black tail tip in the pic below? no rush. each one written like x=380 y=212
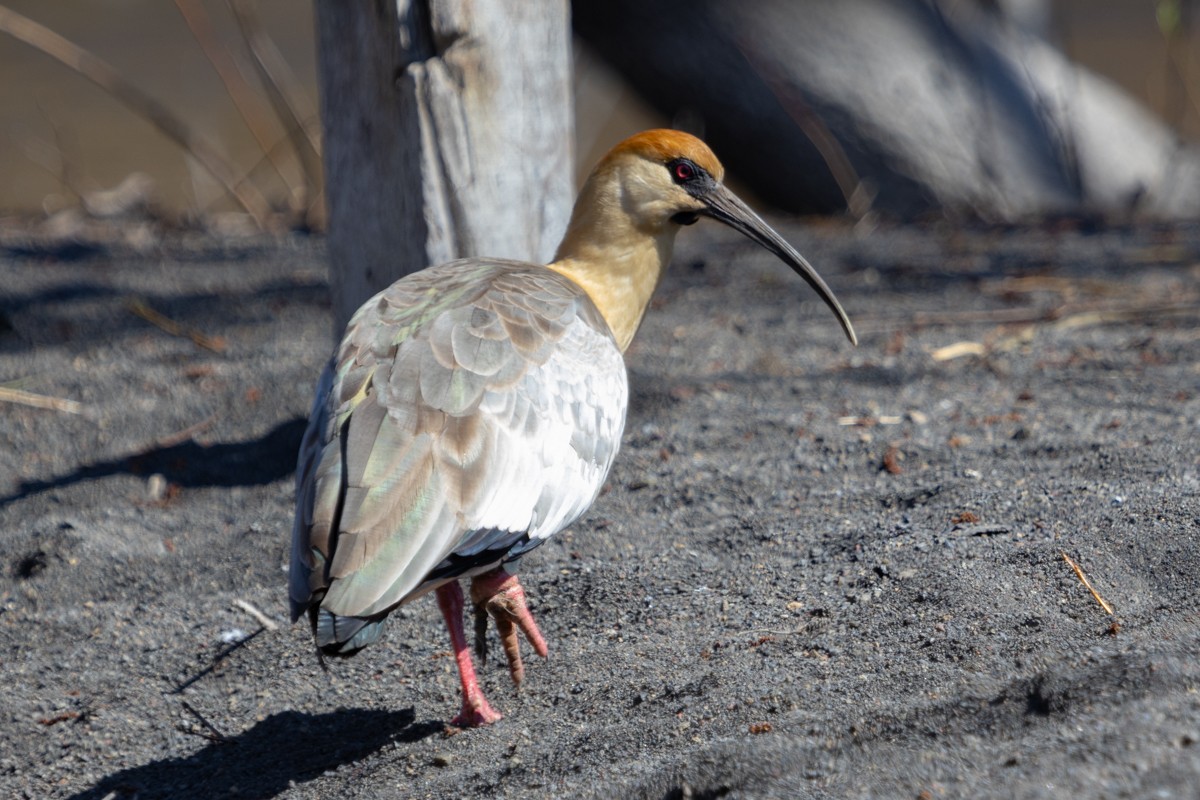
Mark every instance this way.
x=342 y=637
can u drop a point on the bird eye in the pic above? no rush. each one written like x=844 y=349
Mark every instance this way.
x=683 y=171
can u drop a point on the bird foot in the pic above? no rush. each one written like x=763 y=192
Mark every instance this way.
x=475 y=708
x=501 y=596
x=475 y=712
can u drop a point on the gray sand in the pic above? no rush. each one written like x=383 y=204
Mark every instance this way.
x=817 y=571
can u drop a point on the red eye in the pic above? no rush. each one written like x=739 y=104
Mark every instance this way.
x=684 y=171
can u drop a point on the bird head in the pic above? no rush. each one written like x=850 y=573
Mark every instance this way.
x=644 y=190
x=662 y=177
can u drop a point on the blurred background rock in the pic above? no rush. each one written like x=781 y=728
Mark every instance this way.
x=66 y=143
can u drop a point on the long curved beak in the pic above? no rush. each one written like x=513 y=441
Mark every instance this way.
x=724 y=206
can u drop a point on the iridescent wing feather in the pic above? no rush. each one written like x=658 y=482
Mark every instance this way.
x=471 y=411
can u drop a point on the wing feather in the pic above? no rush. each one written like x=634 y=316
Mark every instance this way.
x=471 y=411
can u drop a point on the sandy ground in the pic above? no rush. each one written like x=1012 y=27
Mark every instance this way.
x=818 y=571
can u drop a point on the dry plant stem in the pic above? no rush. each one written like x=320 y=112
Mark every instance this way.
x=1181 y=96
x=66 y=142
x=957 y=350
x=179 y=437
x=1083 y=578
x=168 y=325
x=24 y=398
x=106 y=77
x=857 y=195
x=257 y=117
x=284 y=91
x=1061 y=316
x=260 y=617
x=49 y=156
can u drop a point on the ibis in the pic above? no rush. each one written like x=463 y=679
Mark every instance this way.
x=473 y=410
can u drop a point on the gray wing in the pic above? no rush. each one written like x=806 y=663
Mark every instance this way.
x=470 y=408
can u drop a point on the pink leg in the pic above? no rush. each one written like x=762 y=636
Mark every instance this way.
x=475 y=708
x=502 y=595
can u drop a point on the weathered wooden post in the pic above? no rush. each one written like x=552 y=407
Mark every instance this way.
x=448 y=131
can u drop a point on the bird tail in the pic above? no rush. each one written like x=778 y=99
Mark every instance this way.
x=343 y=636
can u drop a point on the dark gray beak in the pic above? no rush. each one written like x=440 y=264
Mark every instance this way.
x=723 y=205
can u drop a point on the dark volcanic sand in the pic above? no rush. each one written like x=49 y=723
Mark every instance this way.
x=767 y=602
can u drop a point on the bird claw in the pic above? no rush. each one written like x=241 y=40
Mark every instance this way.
x=501 y=596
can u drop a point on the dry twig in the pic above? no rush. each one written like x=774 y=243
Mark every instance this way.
x=958 y=350
x=168 y=325
x=259 y=616
x=1064 y=315
x=1103 y=603
x=181 y=436
x=22 y=397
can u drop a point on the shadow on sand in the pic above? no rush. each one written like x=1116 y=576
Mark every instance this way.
x=188 y=464
x=264 y=761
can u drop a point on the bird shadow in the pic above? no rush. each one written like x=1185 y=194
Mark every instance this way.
x=254 y=462
x=284 y=749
